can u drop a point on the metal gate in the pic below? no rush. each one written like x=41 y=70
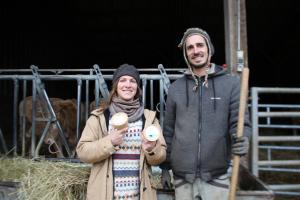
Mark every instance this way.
x=83 y=81
x=276 y=139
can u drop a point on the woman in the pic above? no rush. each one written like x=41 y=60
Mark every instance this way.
x=121 y=159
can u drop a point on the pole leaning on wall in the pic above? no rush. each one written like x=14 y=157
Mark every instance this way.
x=240 y=128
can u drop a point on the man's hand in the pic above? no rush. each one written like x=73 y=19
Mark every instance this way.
x=240 y=145
x=166 y=179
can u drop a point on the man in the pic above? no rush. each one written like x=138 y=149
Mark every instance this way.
x=200 y=123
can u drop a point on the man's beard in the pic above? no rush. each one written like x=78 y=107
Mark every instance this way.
x=201 y=65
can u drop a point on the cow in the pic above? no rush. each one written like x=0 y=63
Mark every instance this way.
x=65 y=111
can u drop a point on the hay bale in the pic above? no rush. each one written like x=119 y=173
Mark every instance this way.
x=45 y=180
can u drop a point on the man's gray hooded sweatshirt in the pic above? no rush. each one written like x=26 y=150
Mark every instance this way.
x=198 y=124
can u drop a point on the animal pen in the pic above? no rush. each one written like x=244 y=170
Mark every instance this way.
x=90 y=86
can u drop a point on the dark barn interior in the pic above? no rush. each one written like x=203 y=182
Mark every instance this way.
x=77 y=34
x=65 y=34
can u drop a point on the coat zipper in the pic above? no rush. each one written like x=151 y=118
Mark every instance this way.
x=199 y=126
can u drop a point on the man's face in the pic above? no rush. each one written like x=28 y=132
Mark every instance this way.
x=196 y=51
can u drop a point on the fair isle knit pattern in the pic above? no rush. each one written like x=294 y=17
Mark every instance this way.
x=126 y=164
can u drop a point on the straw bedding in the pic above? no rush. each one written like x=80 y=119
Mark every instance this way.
x=45 y=180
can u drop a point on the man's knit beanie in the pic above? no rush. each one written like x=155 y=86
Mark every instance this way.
x=128 y=70
x=197 y=31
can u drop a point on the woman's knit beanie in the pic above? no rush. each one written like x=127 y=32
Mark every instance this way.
x=128 y=70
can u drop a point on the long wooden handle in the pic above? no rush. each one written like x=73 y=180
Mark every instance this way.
x=240 y=128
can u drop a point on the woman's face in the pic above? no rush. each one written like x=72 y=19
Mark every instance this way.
x=127 y=88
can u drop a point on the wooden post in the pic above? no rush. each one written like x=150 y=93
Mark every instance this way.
x=235 y=32
x=230 y=34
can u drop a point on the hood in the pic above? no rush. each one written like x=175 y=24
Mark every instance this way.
x=213 y=70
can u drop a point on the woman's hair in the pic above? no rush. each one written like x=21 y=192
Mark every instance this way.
x=113 y=93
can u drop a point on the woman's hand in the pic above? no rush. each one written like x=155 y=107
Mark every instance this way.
x=146 y=144
x=116 y=136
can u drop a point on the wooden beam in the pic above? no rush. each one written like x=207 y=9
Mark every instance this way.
x=235 y=34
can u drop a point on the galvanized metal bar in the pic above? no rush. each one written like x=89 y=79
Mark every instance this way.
x=78 y=113
x=33 y=123
x=276 y=90
x=269 y=153
x=161 y=102
x=278 y=162
x=144 y=87
x=278 y=138
x=278 y=114
x=102 y=83
x=15 y=114
x=279 y=126
x=288 y=148
x=276 y=169
x=54 y=71
x=97 y=93
x=151 y=95
x=287 y=193
x=285 y=187
x=254 y=119
x=165 y=78
x=87 y=98
x=23 y=118
x=281 y=106
x=83 y=77
x=62 y=70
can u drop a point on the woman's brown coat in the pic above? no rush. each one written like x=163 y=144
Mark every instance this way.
x=96 y=148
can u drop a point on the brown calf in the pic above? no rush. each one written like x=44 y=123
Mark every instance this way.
x=65 y=111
